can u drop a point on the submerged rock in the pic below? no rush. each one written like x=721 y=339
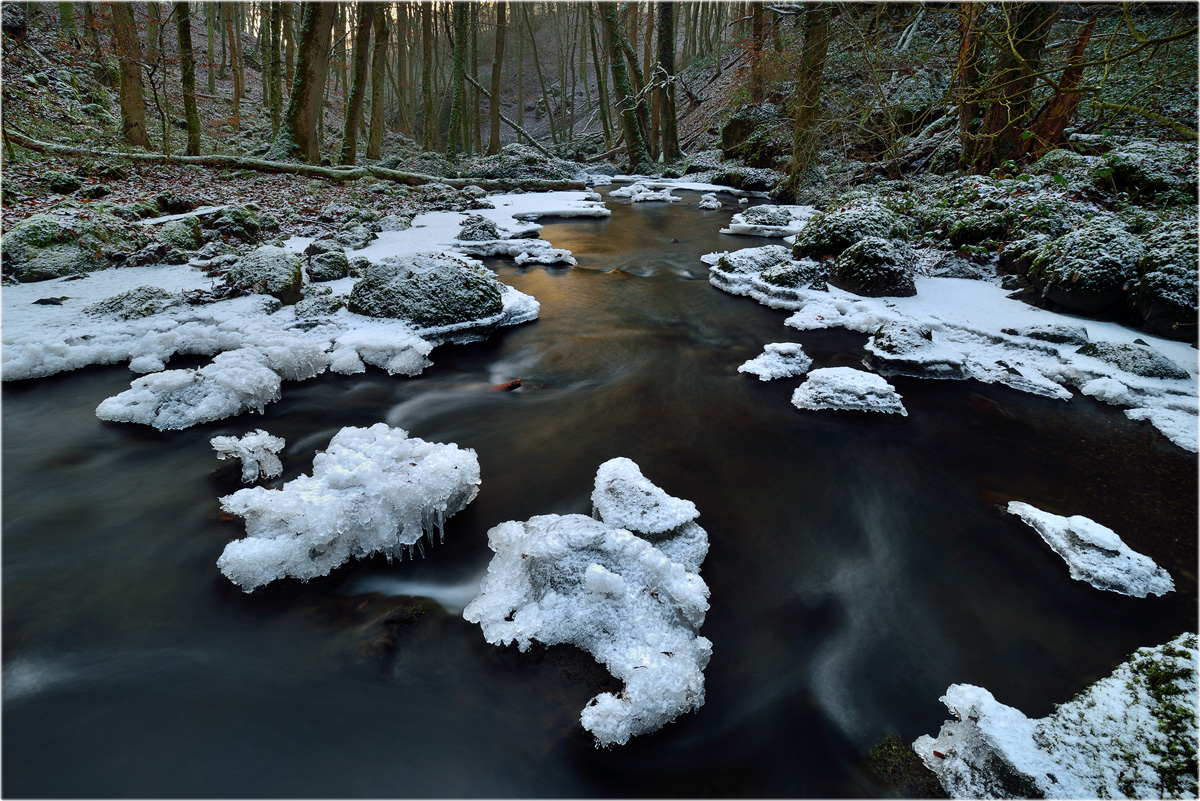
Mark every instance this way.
x=372 y=490
x=847 y=389
x=1130 y=735
x=257 y=450
x=624 y=588
x=1096 y=554
x=428 y=290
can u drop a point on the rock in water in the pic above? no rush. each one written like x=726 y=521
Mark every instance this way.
x=1096 y=554
x=849 y=390
x=778 y=360
x=427 y=289
x=1130 y=735
x=625 y=588
x=258 y=450
x=372 y=490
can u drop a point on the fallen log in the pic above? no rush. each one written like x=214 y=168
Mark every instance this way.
x=292 y=168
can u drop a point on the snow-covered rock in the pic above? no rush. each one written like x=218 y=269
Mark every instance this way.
x=769 y=221
x=778 y=360
x=900 y=349
x=426 y=289
x=372 y=490
x=270 y=271
x=646 y=192
x=849 y=390
x=258 y=451
x=1095 y=553
x=709 y=202
x=624 y=588
x=1130 y=735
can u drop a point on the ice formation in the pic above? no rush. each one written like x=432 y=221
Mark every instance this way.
x=778 y=360
x=1096 y=554
x=709 y=202
x=849 y=390
x=1129 y=735
x=624 y=587
x=372 y=490
x=258 y=450
x=646 y=192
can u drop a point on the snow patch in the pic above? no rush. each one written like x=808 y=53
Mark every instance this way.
x=778 y=360
x=847 y=389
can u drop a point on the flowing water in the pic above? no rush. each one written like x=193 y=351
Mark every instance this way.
x=859 y=564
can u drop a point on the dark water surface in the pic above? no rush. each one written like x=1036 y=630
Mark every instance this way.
x=859 y=564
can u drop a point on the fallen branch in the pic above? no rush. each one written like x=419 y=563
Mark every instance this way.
x=290 y=168
x=1177 y=127
x=509 y=122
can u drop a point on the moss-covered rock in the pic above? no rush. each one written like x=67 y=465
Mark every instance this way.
x=1148 y=169
x=45 y=246
x=971 y=229
x=767 y=215
x=323 y=304
x=522 y=162
x=1087 y=269
x=240 y=222
x=477 y=228
x=830 y=233
x=326 y=260
x=183 y=234
x=427 y=290
x=895 y=764
x=747 y=135
x=875 y=267
x=752 y=261
x=1165 y=291
x=138 y=210
x=174 y=203
x=59 y=182
x=803 y=274
x=143 y=301
x=269 y=271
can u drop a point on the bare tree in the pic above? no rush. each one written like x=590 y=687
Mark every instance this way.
x=129 y=51
x=354 y=108
x=187 y=66
x=297 y=137
x=378 y=81
x=497 y=61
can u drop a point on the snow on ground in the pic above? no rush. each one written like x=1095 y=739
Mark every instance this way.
x=1001 y=340
x=770 y=221
x=1130 y=735
x=1096 y=554
x=847 y=389
x=372 y=490
x=258 y=451
x=778 y=360
x=625 y=588
x=267 y=344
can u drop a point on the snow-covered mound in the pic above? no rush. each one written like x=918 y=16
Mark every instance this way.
x=1096 y=554
x=709 y=202
x=631 y=597
x=847 y=389
x=646 y=192
x=770 y=221
x=372 y=490
x=258 y=450
x=778 y=360
x=1130 y=735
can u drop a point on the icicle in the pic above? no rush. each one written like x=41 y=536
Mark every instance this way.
x=421 y=547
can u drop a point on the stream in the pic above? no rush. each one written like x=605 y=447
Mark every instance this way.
x=859 y=563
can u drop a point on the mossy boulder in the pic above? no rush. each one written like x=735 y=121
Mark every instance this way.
x=269 y=271
x=174 y=203
x=477 y=228
x=1149 y=169
x=239 y=222
x=522 y=162
x=1165 y=291
x=747 y=135
x=182 y=234
x=830 y=233
x=135 y=304
x=59 y=182
x=326 y=260
x=875 y=267
x=45 y=246
x=971 y=229
x=766 y=215
x=427 y=290
x=319 y=302
x=1087 y=269
x=752 y=261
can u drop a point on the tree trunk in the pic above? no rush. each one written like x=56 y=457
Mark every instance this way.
x=601 y=82
x=354 y=108
x=497 y=61
x=91 y=26
x=235 y=61
x=209 y=24
x=1053 y=117
x=537 y=68
x=635 y=145
x=666 y=81
x=638 y=82
x=187 y=66
x=378 y=81
x=757 y=34
x=430 y=120
x=289 y=45
x=455 y=139
x=1026 y=29
x=297 y=136
x=477 y=132
x=809 y=79
x=276 y=76
x=66 y=19
x=129 y=51
x=965 y=88
x=153 y=25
